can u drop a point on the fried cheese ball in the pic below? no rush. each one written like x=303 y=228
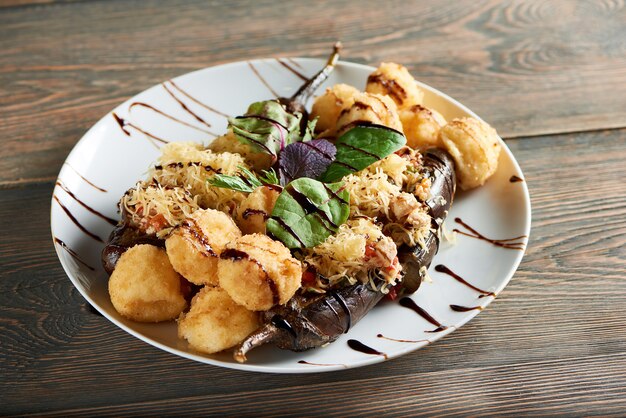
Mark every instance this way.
x=144 y=286
x=194 y=247
x=255 y=209
x=215 y=322
x=475 y=147
x=368 y=107
x=395 y=81
x=421 y=126
x=328 y=107
x=258 y=272
x=229 y=143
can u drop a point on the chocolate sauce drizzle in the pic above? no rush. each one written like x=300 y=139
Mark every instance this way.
x=321 y=364
x=459 y=308
x=402 y=341
x=410 y=303
x=83 y=204
x=234 y=254
x=72 y=253
x=198 y=102
x=287 y=228
x=443 y=269
x=123 y=123
x=509 y=243
x=293 y=70
x=185 y=107
x=310 y=207
x=359 y=346
x=168 y=116
x=515 y=179
x=361 y=150
x=82 y=177
x=260 y=77
x=192 y=228
x=78 y=224
x=249 y=212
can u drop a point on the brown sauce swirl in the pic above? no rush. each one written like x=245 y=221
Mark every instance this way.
x=515 y=243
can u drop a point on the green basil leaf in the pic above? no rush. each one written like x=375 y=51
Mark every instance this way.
x=246 y=181
x=360 y=147
x=307 y=212
x=267 y=126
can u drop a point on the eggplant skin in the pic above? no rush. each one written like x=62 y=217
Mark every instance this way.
x=311 y=321
x=440 y=166
x=121 y=239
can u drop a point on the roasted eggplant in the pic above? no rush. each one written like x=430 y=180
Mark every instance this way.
x=311 y=321
x=121 y=239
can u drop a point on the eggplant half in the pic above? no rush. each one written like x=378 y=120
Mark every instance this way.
x=307 y=322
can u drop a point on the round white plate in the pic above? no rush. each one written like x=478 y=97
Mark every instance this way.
x=107 y=161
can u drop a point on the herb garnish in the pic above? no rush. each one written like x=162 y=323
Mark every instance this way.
x=307 y=212
x=360 y=147
x=246 y=181
x=305 y=159
x=269 y=128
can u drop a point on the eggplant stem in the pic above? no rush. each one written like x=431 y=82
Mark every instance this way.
x=305 y=92
x=263 y=335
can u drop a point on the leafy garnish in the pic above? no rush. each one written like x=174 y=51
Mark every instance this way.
x=267 y=126
x=307 y=212
x=269 y=177
x=305 y=159
x=246 y=181
x=360 y=147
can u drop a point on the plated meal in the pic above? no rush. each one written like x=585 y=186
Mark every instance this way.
x=292 y=225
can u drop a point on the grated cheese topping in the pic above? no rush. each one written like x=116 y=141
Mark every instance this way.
x=154 y=208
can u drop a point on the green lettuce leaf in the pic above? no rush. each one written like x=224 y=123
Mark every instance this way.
x=307 y=212
x=246 y=181
x=360 y=147
x=267 y=126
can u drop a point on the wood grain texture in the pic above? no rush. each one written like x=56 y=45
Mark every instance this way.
x=528 y=67
x=554 y=341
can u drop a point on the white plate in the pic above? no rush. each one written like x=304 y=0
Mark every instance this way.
x=106 y=162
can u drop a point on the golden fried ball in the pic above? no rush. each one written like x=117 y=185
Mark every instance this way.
x=195 y=246
x=421 y=126
x=395 y=81
x=255 y=209
x=258 y=272
x=328 y=107
x=368 y=107
x=475 y=147
x=215 y=322
x=144 y=287
x=229 y=143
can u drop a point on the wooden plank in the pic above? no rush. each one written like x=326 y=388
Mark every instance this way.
x=529 y=68
x=553 y=341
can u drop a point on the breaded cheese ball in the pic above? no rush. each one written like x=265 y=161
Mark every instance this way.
x=258 y=272
x=395 y=81
x=229 y=143
x=475 y=147
x=328 y=107
x=215 y=322
x=372 y=108
x=194 y=247
x=255 y=209
x=144 y=287
x=421 y=126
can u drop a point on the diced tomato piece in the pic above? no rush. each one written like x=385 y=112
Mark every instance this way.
x=393 y=293
x=370 y=252
x=158 y=222
x=308 y=277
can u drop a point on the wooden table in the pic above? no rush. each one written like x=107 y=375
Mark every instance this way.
x=550 y=76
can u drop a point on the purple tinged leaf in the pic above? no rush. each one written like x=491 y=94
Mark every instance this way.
x=305 y=159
